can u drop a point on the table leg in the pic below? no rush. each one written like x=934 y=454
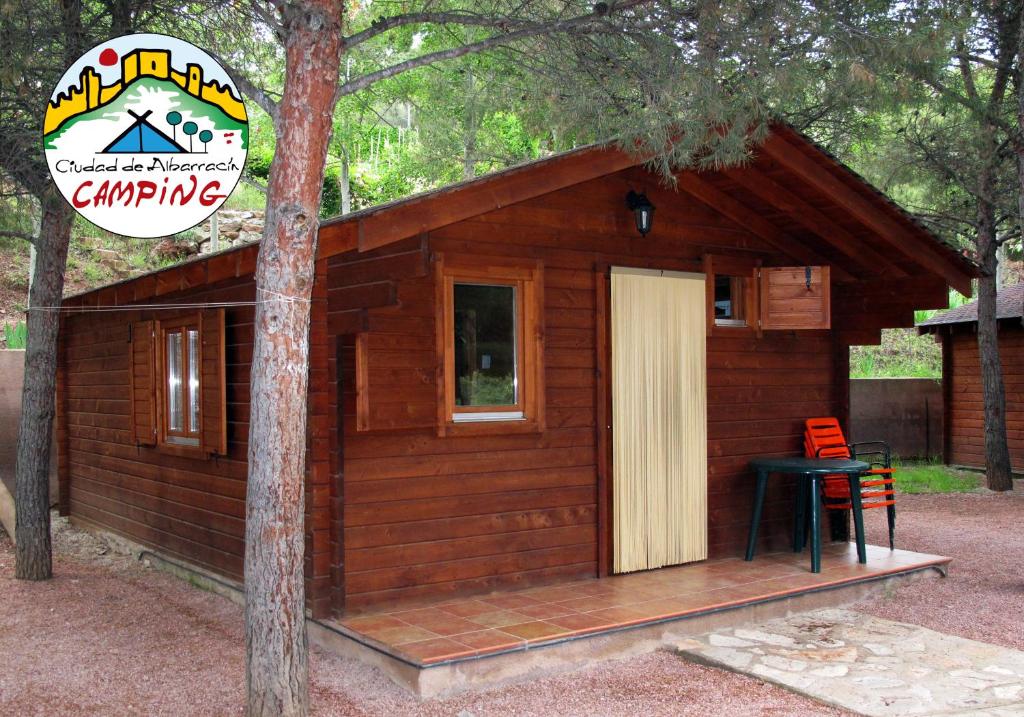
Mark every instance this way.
x=755 y=519
x=815 y=525
x=858 y=517
x=800 y=515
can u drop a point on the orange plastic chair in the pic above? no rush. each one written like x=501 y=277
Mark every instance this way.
x=823 y=438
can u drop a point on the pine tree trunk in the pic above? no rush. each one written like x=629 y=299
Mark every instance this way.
x=33 y=560
x=276 y=650
x=997 y=452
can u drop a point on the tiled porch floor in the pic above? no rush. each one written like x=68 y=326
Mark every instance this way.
x=464 y=628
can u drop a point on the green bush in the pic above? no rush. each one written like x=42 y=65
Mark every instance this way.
x=16 y=335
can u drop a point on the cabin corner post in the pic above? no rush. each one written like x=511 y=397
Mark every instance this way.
x=947 y=394
x=61 y=422
x=318 y=464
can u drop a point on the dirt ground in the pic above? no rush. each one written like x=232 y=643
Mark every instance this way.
x=984 y=534
x=110 y=636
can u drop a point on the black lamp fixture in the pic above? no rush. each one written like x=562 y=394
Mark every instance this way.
x=643 y=211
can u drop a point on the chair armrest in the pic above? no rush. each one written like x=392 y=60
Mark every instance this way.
x=883 y=449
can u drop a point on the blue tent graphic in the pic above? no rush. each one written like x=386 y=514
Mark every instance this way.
x=142 y=137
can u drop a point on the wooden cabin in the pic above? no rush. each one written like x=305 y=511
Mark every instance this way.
x=963 y=407
x=509 y=383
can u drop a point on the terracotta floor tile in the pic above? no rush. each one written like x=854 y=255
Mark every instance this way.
x=498 y=618
x=661 y=608
x=436 y=649
x=554 y=594
x=372 y=624
x=488 y=639
x=536 y=630
x=510 y=601
x=619 y=615
x=587 y=604
x=466 y=608
x=542 y=611
x=438 y=621
x=581 y=621
x=404 y=634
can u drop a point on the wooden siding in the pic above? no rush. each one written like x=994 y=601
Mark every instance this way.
x=427 y=516
x=187 y=508
x=965 y=414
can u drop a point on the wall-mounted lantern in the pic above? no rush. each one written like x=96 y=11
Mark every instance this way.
x=643 y=211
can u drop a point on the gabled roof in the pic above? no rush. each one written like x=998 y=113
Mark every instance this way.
x=1009 y=305
x=850 y=225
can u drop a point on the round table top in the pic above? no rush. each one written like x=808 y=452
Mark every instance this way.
x=809 y=466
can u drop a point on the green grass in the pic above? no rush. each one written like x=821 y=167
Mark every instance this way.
x=933 y=477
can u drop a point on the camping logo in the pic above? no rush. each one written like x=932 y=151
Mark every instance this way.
x=145 y=135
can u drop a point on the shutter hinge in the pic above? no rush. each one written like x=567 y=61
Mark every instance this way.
x=807 y=277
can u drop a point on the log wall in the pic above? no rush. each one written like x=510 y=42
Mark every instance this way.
x=427 y=515
x=966 y=421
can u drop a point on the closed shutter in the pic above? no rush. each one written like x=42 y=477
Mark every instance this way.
x=142 y=381
x=213 y=382
x=795 y=297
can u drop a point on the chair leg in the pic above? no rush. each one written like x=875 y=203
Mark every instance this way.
x=891 y=514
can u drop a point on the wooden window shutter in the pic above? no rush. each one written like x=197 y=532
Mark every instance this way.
x=213 y=382
x=143 y=383
x=795 y=297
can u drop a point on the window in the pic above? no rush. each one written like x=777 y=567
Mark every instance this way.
x=181 y=384
x=486 y=346
x=730 y=300
x=731 y=293
x=744 y=297
x=489 y=343
x=177 y=383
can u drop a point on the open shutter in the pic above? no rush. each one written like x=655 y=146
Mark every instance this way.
x=212 y=380
x=795 y=297
x=142 y=379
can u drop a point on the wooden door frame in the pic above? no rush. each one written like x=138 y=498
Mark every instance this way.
x=603 y=398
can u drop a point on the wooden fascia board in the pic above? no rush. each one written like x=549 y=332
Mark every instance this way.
x=861 y=209
x=740 y=213
x=443 y=208
x=761 y=185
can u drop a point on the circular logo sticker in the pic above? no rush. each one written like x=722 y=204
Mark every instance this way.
x=145 y=135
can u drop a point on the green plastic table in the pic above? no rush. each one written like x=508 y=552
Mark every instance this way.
x=811 y=471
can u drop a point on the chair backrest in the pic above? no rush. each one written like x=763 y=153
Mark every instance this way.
x=823 y=438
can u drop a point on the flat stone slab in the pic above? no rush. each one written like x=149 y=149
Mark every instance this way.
x=871 y=666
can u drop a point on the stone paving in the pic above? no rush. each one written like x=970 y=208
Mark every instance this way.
x=871 y=666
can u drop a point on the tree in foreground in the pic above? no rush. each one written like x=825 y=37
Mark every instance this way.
x=958 y=65
x=683 y=84
x=40 y=39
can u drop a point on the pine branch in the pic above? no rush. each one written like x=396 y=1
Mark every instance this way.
x=10 y=233
x=465 y=19
x=254 y=184
x=258 y=95
x=579 y=23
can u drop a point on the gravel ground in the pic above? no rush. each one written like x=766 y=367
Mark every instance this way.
x=984 y=534
x=109 y=636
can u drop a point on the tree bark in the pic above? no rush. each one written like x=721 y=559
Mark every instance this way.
x=276 y=650
x=997 y=453
x=38 y=399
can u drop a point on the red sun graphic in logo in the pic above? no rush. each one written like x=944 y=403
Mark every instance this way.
x=108 y=58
